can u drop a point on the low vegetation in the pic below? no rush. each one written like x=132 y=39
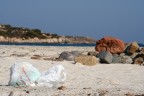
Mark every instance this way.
x=20 y=32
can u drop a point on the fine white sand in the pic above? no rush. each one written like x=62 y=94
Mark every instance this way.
x=97 y=80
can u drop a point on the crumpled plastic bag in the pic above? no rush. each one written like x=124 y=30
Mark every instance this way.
x=54 y=76
x=23 y=74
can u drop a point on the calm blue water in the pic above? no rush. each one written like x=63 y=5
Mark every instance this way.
x=141 y=45
x=45 y=44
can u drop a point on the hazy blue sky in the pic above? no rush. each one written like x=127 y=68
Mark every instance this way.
x=94 y=18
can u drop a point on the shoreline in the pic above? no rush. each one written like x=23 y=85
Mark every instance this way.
x=49 y=44
x=52 y=44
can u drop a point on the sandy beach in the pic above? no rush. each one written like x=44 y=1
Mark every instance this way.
x=97 y=80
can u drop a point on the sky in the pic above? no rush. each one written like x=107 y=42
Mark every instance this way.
x=123 y=19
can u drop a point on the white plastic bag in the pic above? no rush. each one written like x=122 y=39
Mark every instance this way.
x=52 y=77
x=23 y=74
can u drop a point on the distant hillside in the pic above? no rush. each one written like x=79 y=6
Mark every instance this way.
x=20 y=34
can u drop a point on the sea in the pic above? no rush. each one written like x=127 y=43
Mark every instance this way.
x=46 y=44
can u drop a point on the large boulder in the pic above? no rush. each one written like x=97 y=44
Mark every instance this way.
x=126 y=60
x=138 y=60
x=105 y=57
x=110 y=44
x=122 y=59
x=116 y=59
x=132 y=48
x=70 y=56
x=87 y=60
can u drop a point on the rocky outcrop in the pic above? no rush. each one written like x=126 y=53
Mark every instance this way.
x=133 y=54
x=59 y=40
x=26 y=35
x=87 y=60
x=79 y=39
x=31 y=40
x=94 y=57
x=113 y=45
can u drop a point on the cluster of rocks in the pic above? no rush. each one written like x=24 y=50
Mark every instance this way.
x=113 y=50
x=108 y=50
x=78 y=57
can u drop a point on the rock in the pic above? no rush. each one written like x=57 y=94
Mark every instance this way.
x=79 y=40
x=105 y=57
x=19 y=54
x=129 y=94
x=69 y=55
x=66 y=56
x=75 y=53
x=49 y=58
x=84 y=53
x=132 y=48
x=102 y=93
x=122 y=59
x=2 y=38
x=140 y=55
x=115 y=55
x=142 y=50
x=36 y=57
x=126 y=60
x=60 y=40
x=122 y=54
x=58 y=59
x=87 y=88
x=92 y=53
x=11 y=94
x=113 y=45
x=27 y=91
x=134 y=55
x=139 y=50
x=138 y=60
x=116 y=59
x=62 y=88
x=142 y=63
x=87 y=60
